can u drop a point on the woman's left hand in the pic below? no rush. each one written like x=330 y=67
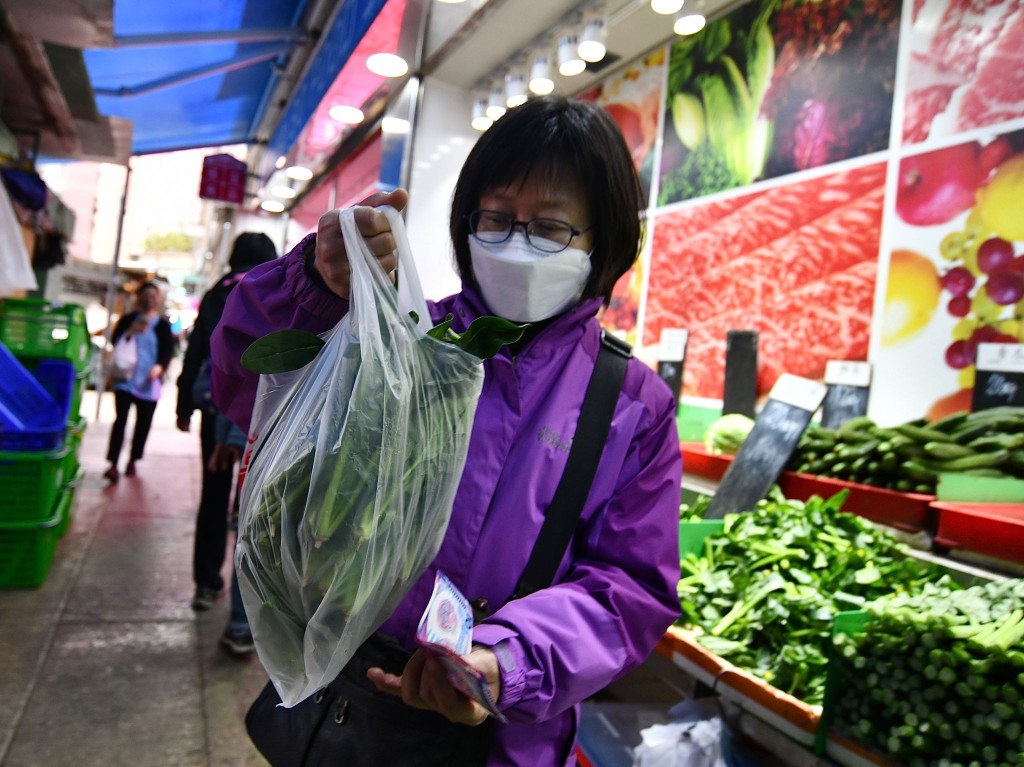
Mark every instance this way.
x=424 y=684
x=155 y=372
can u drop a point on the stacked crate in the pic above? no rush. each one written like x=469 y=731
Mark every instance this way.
x=44 y=359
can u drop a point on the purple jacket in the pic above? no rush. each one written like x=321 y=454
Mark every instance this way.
x=615 y=590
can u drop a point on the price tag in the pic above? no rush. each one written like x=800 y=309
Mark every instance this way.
x=766 y=450
x=848 y=385
x=739 y=393
x=671 y=354
x=847 y=373
x=1000 y=376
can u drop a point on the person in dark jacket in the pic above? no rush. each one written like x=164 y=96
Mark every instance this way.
x=153 y=344
x=249 y=249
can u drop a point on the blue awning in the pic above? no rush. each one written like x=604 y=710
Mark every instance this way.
x=196 y=73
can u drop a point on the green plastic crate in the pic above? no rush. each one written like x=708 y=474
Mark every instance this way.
x=30 y=482
x=66 y=502
x=72 y=441
x=33 y=328
x=692 y=535
x=27 y=549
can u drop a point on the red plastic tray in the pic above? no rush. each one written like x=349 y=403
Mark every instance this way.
x=995 y=529
x=905 y=511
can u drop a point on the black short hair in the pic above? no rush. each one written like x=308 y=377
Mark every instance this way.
x=251 y=249
x=560 y=137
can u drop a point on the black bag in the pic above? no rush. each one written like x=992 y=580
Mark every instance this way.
x=202 y=397
x=350 y=723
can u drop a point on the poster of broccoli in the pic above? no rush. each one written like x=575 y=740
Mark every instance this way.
x=776 y=87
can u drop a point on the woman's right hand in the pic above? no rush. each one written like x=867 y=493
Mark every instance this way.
x=331 y=260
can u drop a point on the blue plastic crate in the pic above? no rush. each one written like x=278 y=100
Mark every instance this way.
x=34 y=405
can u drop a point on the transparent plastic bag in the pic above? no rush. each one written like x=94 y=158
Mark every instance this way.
x=354 y=463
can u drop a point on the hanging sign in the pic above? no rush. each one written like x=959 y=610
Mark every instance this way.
x=849 y=384
x=1000 y=376
x=671 y=356
x=223 y=179
x=766 y=450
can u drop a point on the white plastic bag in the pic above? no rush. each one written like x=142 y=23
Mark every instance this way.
x=124 y=358
x=350 y=481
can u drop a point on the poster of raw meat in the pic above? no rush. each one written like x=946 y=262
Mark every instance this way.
x=955 y=276
x=776 y=87
x=965 y=67
x=633 y=98
x=797 y=263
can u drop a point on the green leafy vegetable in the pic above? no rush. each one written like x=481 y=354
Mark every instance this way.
x=282 y=351
x=773 y=580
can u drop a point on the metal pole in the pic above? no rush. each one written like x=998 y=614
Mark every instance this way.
x=112 y=287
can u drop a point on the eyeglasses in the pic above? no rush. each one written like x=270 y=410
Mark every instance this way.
x=548 y=235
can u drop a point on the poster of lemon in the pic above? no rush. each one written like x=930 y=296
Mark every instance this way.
x=956 y=271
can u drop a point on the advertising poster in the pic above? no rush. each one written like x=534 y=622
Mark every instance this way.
x=797 y=262
x=965 y=67
x=955 y=275
x=774 y=88
x=634 y=100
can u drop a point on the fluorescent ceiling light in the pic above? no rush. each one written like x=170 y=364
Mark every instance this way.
x=387 y=65
x=344 y=113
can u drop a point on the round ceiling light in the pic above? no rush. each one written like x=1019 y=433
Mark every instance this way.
x=272 y=206
x=346 y=114
x=387 y=65
x=690 y=24
x=666 y=7
x=298 y=173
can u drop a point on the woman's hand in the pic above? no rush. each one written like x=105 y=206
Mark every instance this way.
x=155 y=372
x=331 y=261
x=424 y=684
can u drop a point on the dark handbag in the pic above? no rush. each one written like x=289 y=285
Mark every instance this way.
x=350 y=723
x=202 y=397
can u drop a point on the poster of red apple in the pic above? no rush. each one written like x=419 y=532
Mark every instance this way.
x=965 y=67
x=956 y=270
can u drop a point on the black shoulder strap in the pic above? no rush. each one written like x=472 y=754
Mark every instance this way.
x=587 y=446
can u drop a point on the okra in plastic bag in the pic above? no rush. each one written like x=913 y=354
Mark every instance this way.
x=353 y=465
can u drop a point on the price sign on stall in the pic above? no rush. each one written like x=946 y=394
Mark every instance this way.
x=766 y=450
x=1000 y=376
x=848 y=385
x=671 y=355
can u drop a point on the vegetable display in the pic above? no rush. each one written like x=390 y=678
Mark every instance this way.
x=937 y=678
x=726 y=434
x=764 y=592
x=910 y=457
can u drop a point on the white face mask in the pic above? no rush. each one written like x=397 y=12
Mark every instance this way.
x=522 y=284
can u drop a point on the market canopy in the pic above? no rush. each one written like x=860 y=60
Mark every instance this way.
x=94 y=79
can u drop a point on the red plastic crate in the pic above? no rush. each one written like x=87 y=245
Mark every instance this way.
x=994 y=529
x=905 y=511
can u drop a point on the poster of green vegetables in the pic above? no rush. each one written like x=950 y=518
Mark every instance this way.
x=776 y=87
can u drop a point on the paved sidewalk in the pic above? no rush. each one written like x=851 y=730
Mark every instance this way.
x=106 y=665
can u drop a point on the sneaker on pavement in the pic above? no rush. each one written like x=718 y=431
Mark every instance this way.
x=237 y=645
x=204 y=598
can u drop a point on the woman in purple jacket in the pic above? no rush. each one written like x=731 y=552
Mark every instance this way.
x=546 y=216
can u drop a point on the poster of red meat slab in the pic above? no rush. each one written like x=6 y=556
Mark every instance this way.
x=965 y=67
x=796 y=262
